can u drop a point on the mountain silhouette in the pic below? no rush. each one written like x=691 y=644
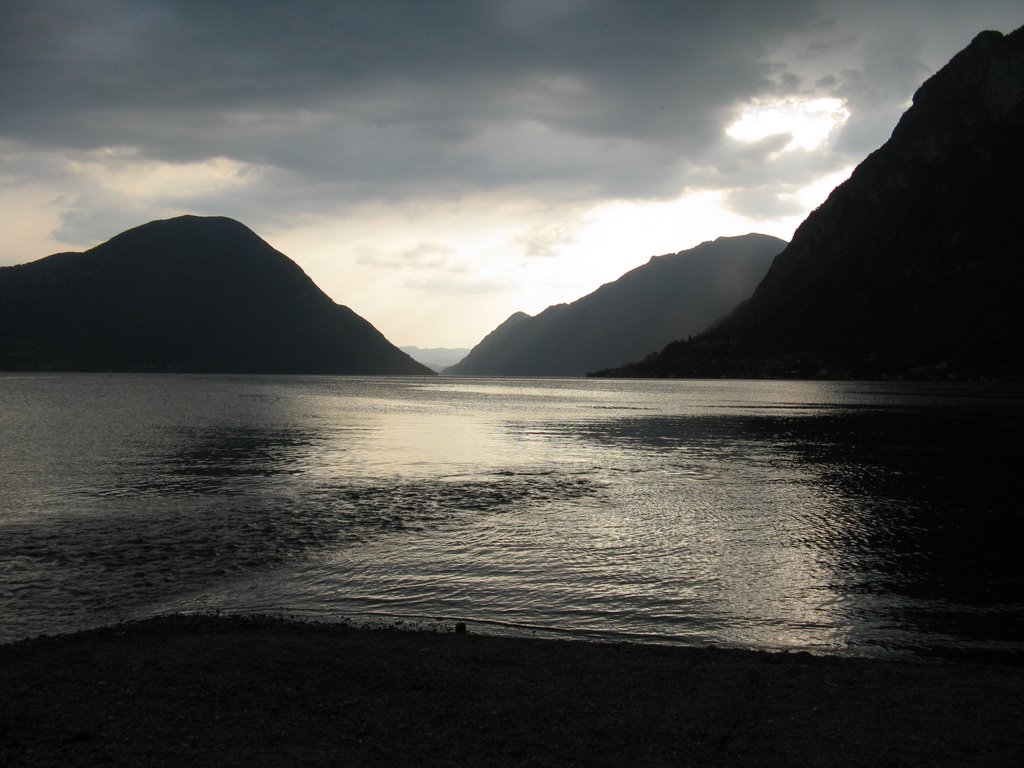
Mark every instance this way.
x=912 y=267
x=436 y=358
x=189 y=294
x=670 y=296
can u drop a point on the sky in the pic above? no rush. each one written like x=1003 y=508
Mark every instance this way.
x=437 y=165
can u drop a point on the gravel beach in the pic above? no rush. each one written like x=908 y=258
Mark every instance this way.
x=210 y=691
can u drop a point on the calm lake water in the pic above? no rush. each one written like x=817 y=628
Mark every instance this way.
x=849 y=518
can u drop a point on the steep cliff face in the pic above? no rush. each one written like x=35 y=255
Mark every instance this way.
x=912 y=266
x=671 y=296
x=191 y=294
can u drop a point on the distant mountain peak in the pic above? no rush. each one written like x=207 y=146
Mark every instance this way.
x=671 y=295
x=190 y=224
x=190 y=294
x=436 y=358
x=514 y=318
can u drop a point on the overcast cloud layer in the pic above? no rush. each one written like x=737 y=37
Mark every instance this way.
x=419 y=153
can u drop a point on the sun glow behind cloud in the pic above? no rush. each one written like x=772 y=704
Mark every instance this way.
x=807 y=121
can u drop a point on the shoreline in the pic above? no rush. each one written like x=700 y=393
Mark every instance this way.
x=234 y=690
x=993 y=654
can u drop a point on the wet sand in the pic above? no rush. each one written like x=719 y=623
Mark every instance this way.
x=206 y=691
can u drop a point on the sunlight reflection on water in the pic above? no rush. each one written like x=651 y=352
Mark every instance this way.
x=838 y=517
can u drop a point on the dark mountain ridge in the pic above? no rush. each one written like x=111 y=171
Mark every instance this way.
x=670 y=296
x=912 y=267
x=189 y=294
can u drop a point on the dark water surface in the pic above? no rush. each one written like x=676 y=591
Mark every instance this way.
x=856 y=518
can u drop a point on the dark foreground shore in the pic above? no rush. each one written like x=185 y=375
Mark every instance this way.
x=204 y=691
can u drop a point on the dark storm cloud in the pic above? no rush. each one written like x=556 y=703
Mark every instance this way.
x=339 y=102
x=485 y=93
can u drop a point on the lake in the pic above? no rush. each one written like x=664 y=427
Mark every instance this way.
x=835 y=517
